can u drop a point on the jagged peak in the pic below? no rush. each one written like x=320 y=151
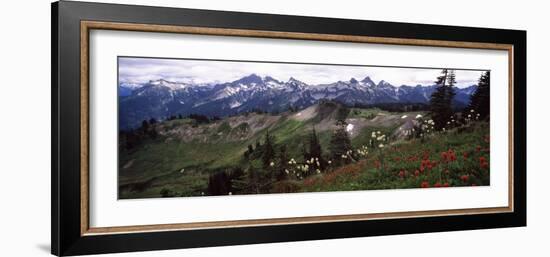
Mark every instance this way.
x=384 y=83
x=366 y=79
x=269 y=78
x=294 y=80
x=252 y=78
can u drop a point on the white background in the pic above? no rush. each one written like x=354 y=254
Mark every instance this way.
x=25 y=134
x=106 y=211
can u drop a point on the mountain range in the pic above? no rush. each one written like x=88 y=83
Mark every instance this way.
x=161 y=98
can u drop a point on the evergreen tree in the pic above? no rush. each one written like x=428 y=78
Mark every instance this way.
x=315 y=150
x=254 y=180
x=153 y=132
x=249 y=151
x=480 y=100
x=441 y=100
x=144 y=126
x=282 y=163
x=269 y=150
x=219 y=184
x=340 y=144
x=305 y=154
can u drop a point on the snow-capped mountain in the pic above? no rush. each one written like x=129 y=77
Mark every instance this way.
x=162 y=98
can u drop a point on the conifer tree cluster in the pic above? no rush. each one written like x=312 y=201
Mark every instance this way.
x=268 y=150
x=340 y=143
x=441 y=101
x=480 y=100
x=314 y=150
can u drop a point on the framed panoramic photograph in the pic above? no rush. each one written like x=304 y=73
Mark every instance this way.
x=177 y=128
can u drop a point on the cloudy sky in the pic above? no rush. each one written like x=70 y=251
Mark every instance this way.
x=140 y=70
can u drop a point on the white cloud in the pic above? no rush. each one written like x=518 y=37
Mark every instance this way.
x=141 y=70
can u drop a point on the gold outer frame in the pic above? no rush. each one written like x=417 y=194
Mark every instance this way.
x=86 y=26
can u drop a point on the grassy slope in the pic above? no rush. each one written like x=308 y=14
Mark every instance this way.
x=162 y=160
x=406 y=157
x=158 y=164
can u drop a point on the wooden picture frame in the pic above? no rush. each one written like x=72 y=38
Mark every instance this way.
x=71 y=26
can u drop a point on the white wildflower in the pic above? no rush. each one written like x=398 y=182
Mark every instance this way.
x=272 y=164
x=404 y=116
x=381 y=145
x=418 y=116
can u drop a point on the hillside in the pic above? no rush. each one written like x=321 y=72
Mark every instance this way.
x=185 y=153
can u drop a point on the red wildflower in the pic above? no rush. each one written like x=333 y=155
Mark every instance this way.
x=465 y=155
x=416 y=173
x=478 y=148
x=447 y=171
x=465 y=178
x=483 y=163
x=425 y=184
x=426 y=164
x=448 y=156
x=437 y=184
x=401 y=173
x=446 y=184
x=452 y=155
